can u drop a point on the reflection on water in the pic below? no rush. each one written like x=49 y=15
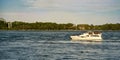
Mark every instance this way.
x=50 y=45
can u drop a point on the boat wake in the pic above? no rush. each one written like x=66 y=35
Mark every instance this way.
x=77 y=42
x=68 y=42
x=111 y=41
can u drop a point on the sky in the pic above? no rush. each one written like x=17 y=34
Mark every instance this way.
x=95 y=12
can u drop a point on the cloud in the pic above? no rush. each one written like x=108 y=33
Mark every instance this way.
x=66 y=11
x=75 y=5
x=39 y=3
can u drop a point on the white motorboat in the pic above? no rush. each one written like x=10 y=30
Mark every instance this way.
x=88 y=36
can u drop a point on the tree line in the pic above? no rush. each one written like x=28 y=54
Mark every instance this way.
x=18 y=25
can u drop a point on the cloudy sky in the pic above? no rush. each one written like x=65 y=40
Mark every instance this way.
x=61 y=11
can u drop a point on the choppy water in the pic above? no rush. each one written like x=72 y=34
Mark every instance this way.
x=57 y=45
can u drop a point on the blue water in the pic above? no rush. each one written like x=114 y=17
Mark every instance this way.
x=57 y=45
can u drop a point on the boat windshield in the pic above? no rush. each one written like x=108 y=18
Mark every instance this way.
x=96 y=32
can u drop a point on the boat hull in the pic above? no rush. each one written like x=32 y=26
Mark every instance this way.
x=77 y=38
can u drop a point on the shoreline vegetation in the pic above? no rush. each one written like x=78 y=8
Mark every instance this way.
x=50 y=26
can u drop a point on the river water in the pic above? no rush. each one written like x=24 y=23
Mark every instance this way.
x=57 y=45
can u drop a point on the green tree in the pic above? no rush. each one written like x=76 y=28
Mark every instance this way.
x=3 y=24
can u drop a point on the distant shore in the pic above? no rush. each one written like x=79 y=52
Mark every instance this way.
x=61 y=30
x=51 y=26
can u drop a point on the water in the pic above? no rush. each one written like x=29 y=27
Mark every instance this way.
x=57 y=45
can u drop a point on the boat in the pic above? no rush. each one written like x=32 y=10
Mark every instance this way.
x=88 y=36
